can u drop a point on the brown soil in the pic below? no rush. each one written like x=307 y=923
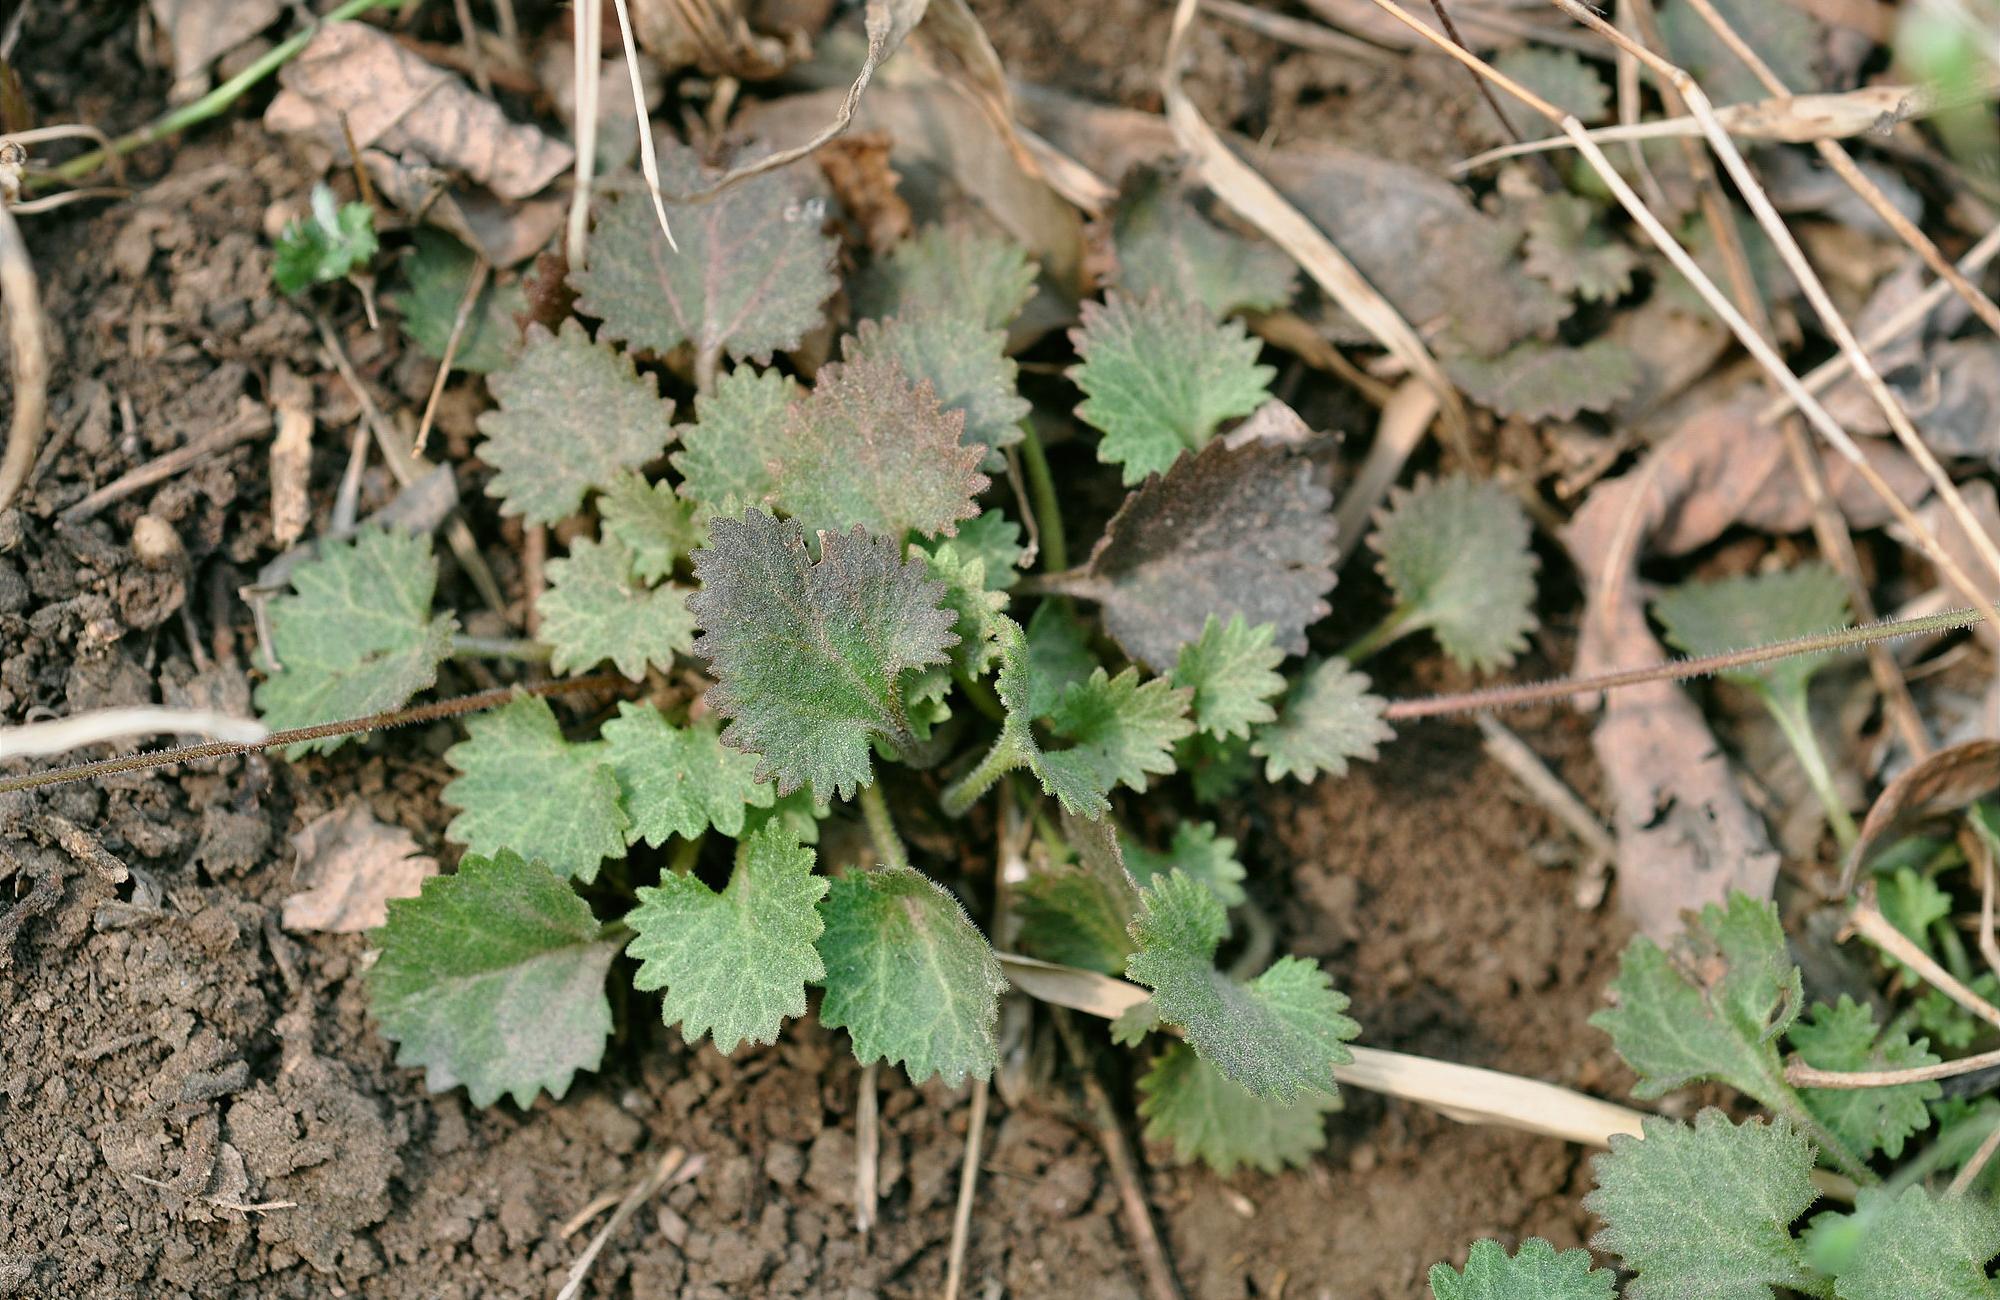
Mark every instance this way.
x=193 y=1102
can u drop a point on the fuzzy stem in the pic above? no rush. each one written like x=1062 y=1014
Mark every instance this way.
x=1396 y=625
x=685 y=855
x=499 y=647
x=1676 y=670
x=981 y=695
x=960 y=795
x=1048 y=512
x=882 y=827
x=215 y=101
x=1794 y=718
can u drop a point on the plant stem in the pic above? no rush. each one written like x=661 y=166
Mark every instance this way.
x=1048 y=512
x=1794 y=717
x=981 y=695
x=685 y=855
x=1676 y=670
x=1395 y=625
x=960 y=795
x=499 y=647
x=882 y=827
x=215 y=101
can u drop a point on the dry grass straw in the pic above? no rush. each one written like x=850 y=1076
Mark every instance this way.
x=27 y=337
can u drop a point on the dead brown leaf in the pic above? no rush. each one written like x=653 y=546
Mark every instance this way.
x=715 y=37
x=392 y=100
x=350 y=866
x=200 y=31
x=858 y=172
x=1947 y=782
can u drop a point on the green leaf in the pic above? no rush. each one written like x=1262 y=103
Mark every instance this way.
x=1121 y=732
x=1563 y=77
x=1328 y=719
x=679 y=780
x=1077 y=917
x=909 y=977
x=356 y=635
x=975 y=607
x=809 y=659
x=1058 y=656
x=749 y=279
x=1706 y=618
x=596 y=610
x=1785 y=38
x=526 y=790
x=1455 y=551
x=1159 y=377
x=654 y=524
x=1196 y=850
x=1539 y=381
x=438 y=270
x=1282 y=1032
x=1843 y=1037
x=1537 y=1271
x=494 y=978
x=1219 y=770
x=1231 y=530
x=1912 y=903
x=735 y=964
x=1570 y=249
x=726 y=456
x=994 y=539
x=1712 y=1007
x=324 y=246
x=1229 y=669
x=1130 y=1027
x=798 y=812
x=1166 y=247
x=573 y=415
x=1704 y=1212
x=1210 y=1117
x=965 y=364
x=1949 y=1023
x=869 y=448
x=1911 y=1245
x=949 y=268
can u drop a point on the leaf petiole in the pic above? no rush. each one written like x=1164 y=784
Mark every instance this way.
x=523 y=649
x=881 y=826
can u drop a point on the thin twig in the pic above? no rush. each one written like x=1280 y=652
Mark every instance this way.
x=27 y=336
x=649 y=164
x=1970 y=1171
x=474 y=285
x=1526 y=766
x=673 y=1167
x=968 y=1186
x=59 y=736
x=1479 y=82
x=241 y=427
x=1867 y=921
x=1317 y=37
x=1801 y=1075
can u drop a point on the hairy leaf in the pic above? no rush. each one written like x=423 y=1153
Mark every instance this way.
x=1076 y=916
x=1130 y=1027
x=324 y=245
x=798 y=812
x=1121 y=732
x=1229 y=667
x=1057 y=656
x=726 y=455
x=749 y=279
x=735 y=964
x=1166 y=247
x=1563 y=77
x=909 y=977
x=809 y=659
x=1328 y=719
x=995 y=540
x=1705 y=618
x=974 y=606
x=438 y=270
x=1540 y=381
x=1712 y=1007
x=1455 y=551
x=573 y=414
x=523 y=788
x=1159 y=377
x=679 y=780
x=965 y=364
x=1219 y=770
x=1537 y=1271
x=1277 y=1035
x=1232 y=530
x=950 y=268
x=494 y=978
x=1913 y=904
x=651 y=522
x=1570 y=249
x=1912 y=1245
x=596 y=610
x=356 y=635
x=1704 y=1211
x=1196 y=850
x=869 y=448
x=1786 y=38
x=1210 y=1117
x=1843 y=1037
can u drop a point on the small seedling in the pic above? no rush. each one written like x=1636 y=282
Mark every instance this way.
x=327 y=244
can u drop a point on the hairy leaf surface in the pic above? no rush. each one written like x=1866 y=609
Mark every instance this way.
x=652 y=522
x=1912 y=1245
x=1209 y=1117
x=679 y=780
x=1537 y=1271
x=1328 y=719
x=726 y=456
x=523 y=788
x=909 y=977
x=595 y=609
x=1196 y=850
x=1539 y=381
x=1230 y=668
x=1075 y=916
x=438 y=270
x=965 y=364
x=1843 y=1036
x=1569 y=248
x=1455 y=551
x=1706 y=618
x=733 y=965
x=949 y=268
x=1166 y=247
x=494 y=978
x=1121 y=731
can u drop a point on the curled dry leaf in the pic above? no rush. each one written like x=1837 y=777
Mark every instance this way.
x=393 y=100
x=714 y=36
x=1228 y=530
x=1944 y=783
x=349 y=867
x=201 y=31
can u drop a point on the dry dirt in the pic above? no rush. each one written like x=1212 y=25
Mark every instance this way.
x=193 y=1103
